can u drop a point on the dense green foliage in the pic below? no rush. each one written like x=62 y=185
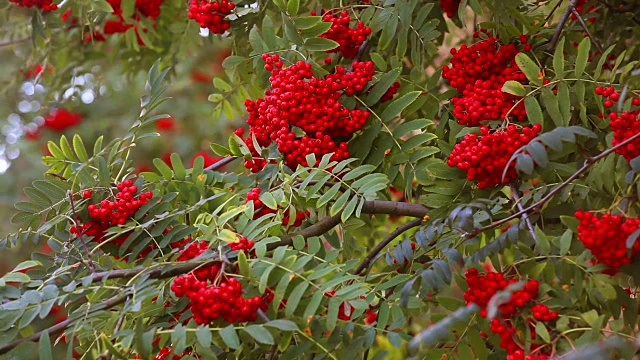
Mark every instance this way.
x=376 y=263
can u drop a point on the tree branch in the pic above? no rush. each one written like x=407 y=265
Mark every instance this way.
x=220 y=163
x=397 y=232
x=14 y=42
x=370 y=207
x=586 y=29
x=556 y=35
x=159 y=273
x=538 y=205
x=61 y=326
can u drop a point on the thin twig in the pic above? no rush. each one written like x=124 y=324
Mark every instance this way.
x=516 y=197
x=538 y=205
x=586 y=29
x=388 y=239
x=553 y=11
x=220 y=163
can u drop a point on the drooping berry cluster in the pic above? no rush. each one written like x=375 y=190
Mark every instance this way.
x=45 y=5
x=61 y=119
x=485 y=157
x=261 y=210
x=450 y=7
x=211 y=14
x=483 y=287
x=606 y=236
x=349 y=39
x=478 y=72
x=299 y=100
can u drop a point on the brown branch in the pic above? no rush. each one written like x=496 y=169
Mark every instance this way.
x=61 y=326
x=388 y=239
x=538 y=205
x=370 y=207
x=586 y=29
x=220 y=163
x=556 y=35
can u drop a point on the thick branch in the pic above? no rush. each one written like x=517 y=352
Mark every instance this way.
x=61 y=326
x=397 y=232
x=540 y=203
x=370 y=207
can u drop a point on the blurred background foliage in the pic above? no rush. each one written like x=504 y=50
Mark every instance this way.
x=100 y=81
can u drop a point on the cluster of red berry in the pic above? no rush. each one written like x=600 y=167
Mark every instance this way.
x=349 y=39
x=211 y=14
x=210 y=301
x=483 y=287
x=34 y=71
x=106 y=213
x=298 y=99
x=485 y=157
x=243 y=244
x=450 y=7
x=506 y=332
x=624 y=125
x=61 y=119
x=45 y=5
x=213 y=294
x=478 y=73
x=261 y=210
x=126 y=204
x=390 y=92
x=203 y=273
x=606 y=237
